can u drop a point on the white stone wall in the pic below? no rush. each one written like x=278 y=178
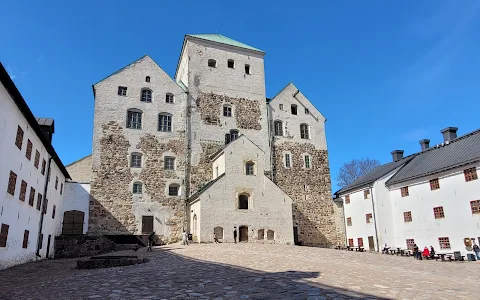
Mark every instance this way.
x=454 y=195
x=19 y=215
x=269 y=207
x=291 y=123
x=77 y=197
x=218 y=166
x=224 y=81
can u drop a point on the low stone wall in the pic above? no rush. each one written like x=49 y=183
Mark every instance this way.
x=82 y=245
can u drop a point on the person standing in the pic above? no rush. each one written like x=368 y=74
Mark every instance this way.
x=235 y=234
x=476 y=249
x=215 y=238
x=151 y=239
x=415 y=251
x=184 y=238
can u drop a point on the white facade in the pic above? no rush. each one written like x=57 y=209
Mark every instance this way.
x=269 y=208
x=393 y=227
x=76 y=198
x=22 y=215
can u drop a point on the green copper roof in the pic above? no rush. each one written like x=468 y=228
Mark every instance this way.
x=223 y=40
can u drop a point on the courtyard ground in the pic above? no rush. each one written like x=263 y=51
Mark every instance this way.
x=246 y=271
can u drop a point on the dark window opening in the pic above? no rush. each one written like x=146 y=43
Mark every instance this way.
x=147 y=79
x=165 y=122
x=243 y=201
x=227 y=111
x=146 y=96
x=4 y=235
x=122 y=90
x=231 y=64
x=278 y=125
x=134 y=119
x=137 y=188
x=249 y=168
x=169 y=98
x=212 y=63
x=294 y=109
x=19 y=138
x=173 y=190
x=247 y=69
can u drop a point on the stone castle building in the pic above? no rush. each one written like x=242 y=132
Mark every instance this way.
x=207 y=151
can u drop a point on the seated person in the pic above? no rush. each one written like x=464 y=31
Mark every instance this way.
x=426 y=253
x=432 y=252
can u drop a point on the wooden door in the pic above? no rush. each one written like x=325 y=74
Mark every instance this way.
x=243 y=234
x=147 y=224
x=73 y=222
x=371 y=244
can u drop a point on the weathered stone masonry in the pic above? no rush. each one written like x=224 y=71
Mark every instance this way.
x=310 y=192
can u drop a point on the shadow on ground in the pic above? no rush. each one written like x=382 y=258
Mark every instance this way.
x=168 y=275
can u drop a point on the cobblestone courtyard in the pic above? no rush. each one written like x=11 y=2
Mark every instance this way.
x=246 y=271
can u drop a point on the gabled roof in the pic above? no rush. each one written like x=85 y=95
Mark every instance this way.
x=27 y=113
x=377 y=173
x=218 y=38
x=461 y=151
x=214 y=155
x=204 y=188
x=120 y=70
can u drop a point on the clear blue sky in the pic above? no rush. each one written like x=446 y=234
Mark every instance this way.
x=385 y=74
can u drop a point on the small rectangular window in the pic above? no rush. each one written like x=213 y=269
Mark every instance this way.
x=56 y=182
x=307 y=111
x=280 y=106
x=410 y=243
x=307 y=161
x=366 y=194
x=136 y=161
x=4 y=235
x=19 y=138
x=294 y=109
x=347 y=199
x=173 y=190
x=12 y=182
x=227 y=111
x=470 y=174
x=165 y=123
x=369 y=218
x=404 y=191
x=31 y=198
x=122 y=90
x=53 y=211
x=350 y=242
x=28 y=153
x=37 y=159
x=475 y=206
x=438 y=212
x=45 y=206
x=43 y=167
x=39 y=201
x=349 y=221
x=169 y=98
x=407 y=216
x=169 y=163
x=287 y=160
x=247 y=69
x=434 y=184
x=444 y=242
x=61 y=188
x=23 y=191
x=231 y=64
x=25 y=239
x=360 y=242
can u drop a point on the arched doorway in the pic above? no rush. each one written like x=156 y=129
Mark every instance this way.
x=243 y=234
x=73 y=222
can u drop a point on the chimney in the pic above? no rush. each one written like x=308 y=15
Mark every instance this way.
x=425 y=143
x=449 y=133
x=397 y=155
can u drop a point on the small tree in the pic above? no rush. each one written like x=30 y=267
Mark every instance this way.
x=351 y=171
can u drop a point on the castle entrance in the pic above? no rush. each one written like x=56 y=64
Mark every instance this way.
x=243 y=234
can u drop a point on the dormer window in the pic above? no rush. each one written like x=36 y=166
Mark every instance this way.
x=247 y=69
x=212 y=63
x=147 y=79
x=294 y=109
x=231 y=64
x=230 y=137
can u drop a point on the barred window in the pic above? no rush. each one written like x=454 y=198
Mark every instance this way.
x=470 y=174
x=444 y=242
x=165 y=122
x=438 y=212
x=434 y=184
x=12 y=183
x=287 y=160
x=360 y=242
x=350 y=242
x=407 y=216
x=410 y=243
x=19 y=138
x=37 y=159
x=404 y=191
x=28 y=153
x=475 y=206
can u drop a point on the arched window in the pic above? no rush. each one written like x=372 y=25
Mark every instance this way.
x=249 y=168
x=136 y=160
x=227 y=110
x=219 y=232
x=278 y=125
x=146 y=95
x=261 y=234
x=212 y=63
x=173 y=189
x=169 y=98
x=243 y=201
x=147 y=79
x=304 y=134
x=231 y=64
x=137 y=187
x=294 y=109
x=165 y=122
x=134 y=118
x=270 y=234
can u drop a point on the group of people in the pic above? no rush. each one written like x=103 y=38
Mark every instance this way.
x=425 y=253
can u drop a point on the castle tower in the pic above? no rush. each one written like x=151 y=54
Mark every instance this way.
x=226 y=98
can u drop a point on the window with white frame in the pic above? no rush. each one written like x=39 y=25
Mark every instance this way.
x=173 y=189
x=288 y=162
x=304 y=134
x=308 y=161
x=165 y=122
x=137 y=187
x=134 y=119
x=169 y=98
x=249 y=168
x=136 y=160
x=169 y=163
x=227 y=110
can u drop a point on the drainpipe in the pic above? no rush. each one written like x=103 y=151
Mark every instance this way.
x=374 y=220
x=187 y=160
x=40 y=225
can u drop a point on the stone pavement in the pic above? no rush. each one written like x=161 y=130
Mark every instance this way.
x=246 y=271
